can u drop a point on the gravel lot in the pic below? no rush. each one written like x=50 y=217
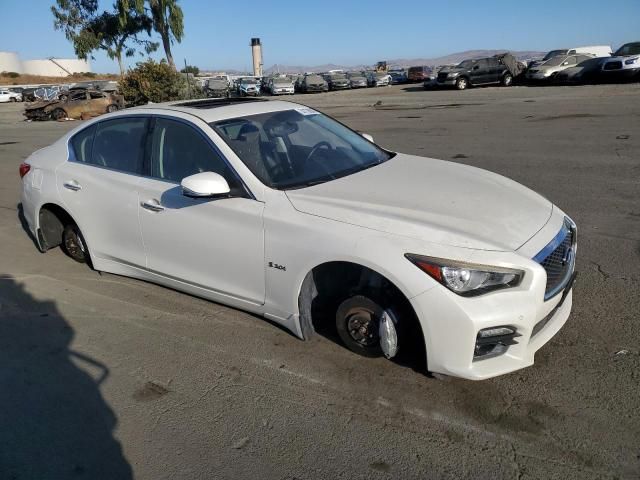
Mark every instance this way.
x=106 y=377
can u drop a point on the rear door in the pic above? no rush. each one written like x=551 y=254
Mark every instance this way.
x=494 y=70
x=98 y=186
x=213 y=243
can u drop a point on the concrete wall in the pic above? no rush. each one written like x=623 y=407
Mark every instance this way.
x=57 y=67
x=10 y=62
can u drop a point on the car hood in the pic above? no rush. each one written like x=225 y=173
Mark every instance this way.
x=453 y=70
x=431 y=200
x=41 y=104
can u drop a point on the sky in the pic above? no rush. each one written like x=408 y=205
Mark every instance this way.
x=308 y=33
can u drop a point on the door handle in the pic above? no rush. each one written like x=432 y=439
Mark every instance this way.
x=152 y=205
x=72 y=185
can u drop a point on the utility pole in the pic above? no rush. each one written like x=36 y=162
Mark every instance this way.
x=188 y=81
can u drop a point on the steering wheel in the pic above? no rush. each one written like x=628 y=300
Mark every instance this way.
x=315 y=149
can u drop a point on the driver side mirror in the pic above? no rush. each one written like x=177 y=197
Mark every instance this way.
x=367 y=136
x=203 y=185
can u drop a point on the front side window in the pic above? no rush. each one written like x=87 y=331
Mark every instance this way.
x=119 y=144
x=179 y=150
x=297 y=148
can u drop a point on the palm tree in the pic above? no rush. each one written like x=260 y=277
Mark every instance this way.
x=168 y=22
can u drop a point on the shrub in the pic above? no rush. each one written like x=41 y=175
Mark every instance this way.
x=10 y=74
x=151 y=81
x=190 y=69
x=84 y=75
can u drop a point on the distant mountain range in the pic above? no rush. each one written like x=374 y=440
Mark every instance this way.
x=453 y=58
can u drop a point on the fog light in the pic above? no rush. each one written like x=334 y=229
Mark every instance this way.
x=495 y=332
x=494 y=341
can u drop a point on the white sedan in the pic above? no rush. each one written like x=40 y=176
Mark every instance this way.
x=275 y=208
x=9 y=96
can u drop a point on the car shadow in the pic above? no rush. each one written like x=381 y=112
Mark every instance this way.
x=54 y=423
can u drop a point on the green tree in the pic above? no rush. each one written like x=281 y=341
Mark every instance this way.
x=90 y=30
x=167 y=18
x=151 y=81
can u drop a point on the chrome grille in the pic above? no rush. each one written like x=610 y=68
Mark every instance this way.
x=558 y=259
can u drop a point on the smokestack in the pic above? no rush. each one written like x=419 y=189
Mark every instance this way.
x=256 y=51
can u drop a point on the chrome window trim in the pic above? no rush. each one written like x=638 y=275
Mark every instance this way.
x=150 y=117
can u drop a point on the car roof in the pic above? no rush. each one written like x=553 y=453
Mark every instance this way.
x=213 y=110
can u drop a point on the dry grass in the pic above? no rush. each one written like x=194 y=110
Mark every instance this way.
x=40 y=80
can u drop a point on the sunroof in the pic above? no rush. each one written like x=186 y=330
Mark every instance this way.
x=217 y=102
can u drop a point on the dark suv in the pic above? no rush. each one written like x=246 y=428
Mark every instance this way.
x=481 y=71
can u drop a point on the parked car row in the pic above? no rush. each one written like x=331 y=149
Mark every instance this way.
x=591 y=64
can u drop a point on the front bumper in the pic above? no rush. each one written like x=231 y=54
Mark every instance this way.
x=453 y=326
x=450 y=81
x=283 y=91
x=451 y=323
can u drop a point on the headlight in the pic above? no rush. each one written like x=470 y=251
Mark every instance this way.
x=467 y=279
x=453 y=74
x=631 y=61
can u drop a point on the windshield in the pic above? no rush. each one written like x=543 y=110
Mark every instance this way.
x=554 y=53
x=248 y=81
x=298 y=148
x=628 y=49
x=338 y=76
x=555 y=61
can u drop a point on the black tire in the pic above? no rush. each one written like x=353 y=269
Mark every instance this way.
x=462 y=83
x=112 y=108
x=58 y=114
x=12 y=100
x=357 y=323
x=74 y=245
x=507 y=80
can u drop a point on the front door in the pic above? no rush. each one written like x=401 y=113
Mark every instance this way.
x=479 y=72
x=214 y=243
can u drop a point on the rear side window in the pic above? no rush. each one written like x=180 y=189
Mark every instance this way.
x=179 y=150
x=82 y=144
x=119 y=144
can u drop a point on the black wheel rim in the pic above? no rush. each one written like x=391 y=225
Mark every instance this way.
x=362 y=325
x=73 y=244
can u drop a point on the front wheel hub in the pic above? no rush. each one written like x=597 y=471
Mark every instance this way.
x=362 y=325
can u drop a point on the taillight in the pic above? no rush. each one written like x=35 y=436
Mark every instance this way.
x=24 y=169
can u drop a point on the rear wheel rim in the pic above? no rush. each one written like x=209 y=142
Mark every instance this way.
x=74 y=245
x=362 y=325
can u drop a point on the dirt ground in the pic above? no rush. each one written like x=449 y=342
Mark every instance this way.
x=107 y=377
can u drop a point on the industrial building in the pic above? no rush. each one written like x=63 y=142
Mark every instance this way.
x=49 y=67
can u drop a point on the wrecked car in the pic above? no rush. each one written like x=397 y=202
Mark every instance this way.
x=314 y=226
x=217 y=87
x=79 y=104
